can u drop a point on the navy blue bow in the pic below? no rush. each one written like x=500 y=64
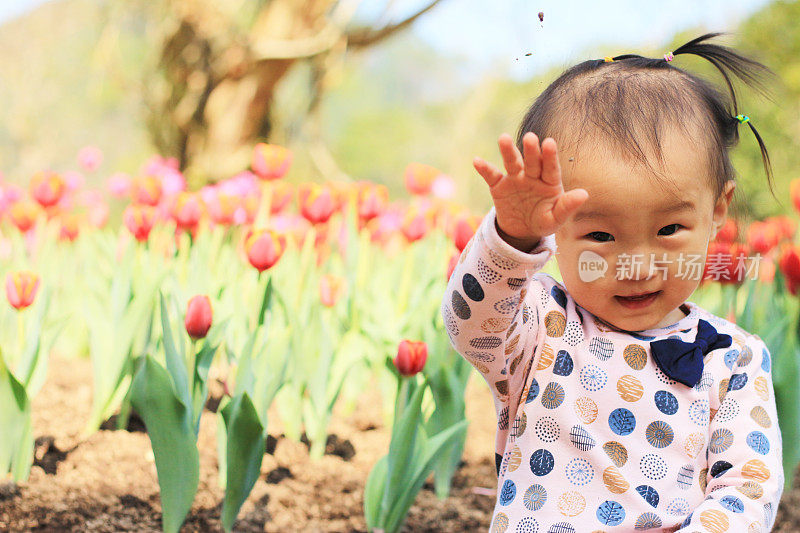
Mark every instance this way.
x=683 y=361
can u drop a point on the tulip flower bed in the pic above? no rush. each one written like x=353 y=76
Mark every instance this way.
x=261 y=356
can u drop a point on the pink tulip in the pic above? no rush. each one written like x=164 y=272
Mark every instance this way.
x=90 y=157
x=21 y=288
x=271 y=161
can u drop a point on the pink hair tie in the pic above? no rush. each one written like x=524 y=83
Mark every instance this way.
x=668 y=56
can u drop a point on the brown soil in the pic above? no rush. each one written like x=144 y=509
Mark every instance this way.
x=108 y=482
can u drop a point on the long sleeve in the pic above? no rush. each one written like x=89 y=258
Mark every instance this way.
x=745 y=473
x=490 y=311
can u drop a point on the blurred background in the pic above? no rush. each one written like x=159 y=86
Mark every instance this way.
x=356 y=89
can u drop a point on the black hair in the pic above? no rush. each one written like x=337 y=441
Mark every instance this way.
x=633 y=97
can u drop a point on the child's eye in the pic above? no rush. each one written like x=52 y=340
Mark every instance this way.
x=600 y=236
x=669 y=230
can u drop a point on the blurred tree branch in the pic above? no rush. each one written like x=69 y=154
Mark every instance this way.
x=210 y=92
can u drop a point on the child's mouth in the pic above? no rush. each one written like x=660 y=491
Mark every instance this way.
x=639 y=301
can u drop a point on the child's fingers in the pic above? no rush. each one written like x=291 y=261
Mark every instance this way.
x=488 y=172
x=512 y=159
x=532 y=155
x=567 y=203
x=551 y=169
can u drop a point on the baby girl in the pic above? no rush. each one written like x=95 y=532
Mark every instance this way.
x=621 y=405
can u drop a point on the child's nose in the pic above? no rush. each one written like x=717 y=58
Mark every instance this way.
x=638 y=265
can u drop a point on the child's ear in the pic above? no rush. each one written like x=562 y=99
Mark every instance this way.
x=721 y=207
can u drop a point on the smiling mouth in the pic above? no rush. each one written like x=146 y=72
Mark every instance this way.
x=637 y=300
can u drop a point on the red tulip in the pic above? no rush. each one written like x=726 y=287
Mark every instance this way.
x=785 y=225
x=21 y=288
x=727 y=233
x=372 y=200
x=139 y=220
x=794 y=192
x=766 y=270
x=187 y=210
x=198 y=316
x=146 y=190
x=264 y=247
x=763 y=236
x=222 y=207
x=271 y=161
x=47 y=188
x=317 y=203
x=464 y=228
x=411 y=357
x=69 y=227
x=330 y=289
x=23 y=214
x=726 y=263
x=789 y=263
x=416 y=223
x=419 y=178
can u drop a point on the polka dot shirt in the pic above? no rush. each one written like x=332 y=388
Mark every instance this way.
x=591 y=435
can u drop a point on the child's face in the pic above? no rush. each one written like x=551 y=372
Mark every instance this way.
x=629 y=222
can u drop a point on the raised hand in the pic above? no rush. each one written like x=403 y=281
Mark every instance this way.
x=529 y=198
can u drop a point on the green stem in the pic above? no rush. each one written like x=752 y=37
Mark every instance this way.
x=21 y=332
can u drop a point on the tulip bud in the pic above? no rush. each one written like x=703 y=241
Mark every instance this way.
x=411 y=357
x=794 y=193
x=372 y=200
x=416 y=223
x=21 y=288
x=47 y=188
x=317 y=203
x=264 y=247
x=330 y=288
x=789 y=263
x=139 y=220
x=187 y=210
x=146 y=190
x=271 y=161
x=23 y=214
x=465 y=227
x=419 y=178
x=198 y=316
x=727 y=233
x=69 y=227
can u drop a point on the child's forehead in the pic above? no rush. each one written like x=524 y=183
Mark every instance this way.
x=682 y=169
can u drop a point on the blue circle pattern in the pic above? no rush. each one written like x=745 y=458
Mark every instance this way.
x=666 y=402
x=593 y=378
x=542 y=462
x=533 y=392
x=563 y=365
x=508 y=492
x=621 y=421
x=758 y=442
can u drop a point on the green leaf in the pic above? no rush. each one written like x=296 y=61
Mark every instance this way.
x=16 y=446
x=373 y=492
x=401 y=449
x=423 y=464
x=174 y=446
x=175 y=364
x=245 y=450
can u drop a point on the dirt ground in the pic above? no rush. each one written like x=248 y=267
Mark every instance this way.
x=108 y=482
